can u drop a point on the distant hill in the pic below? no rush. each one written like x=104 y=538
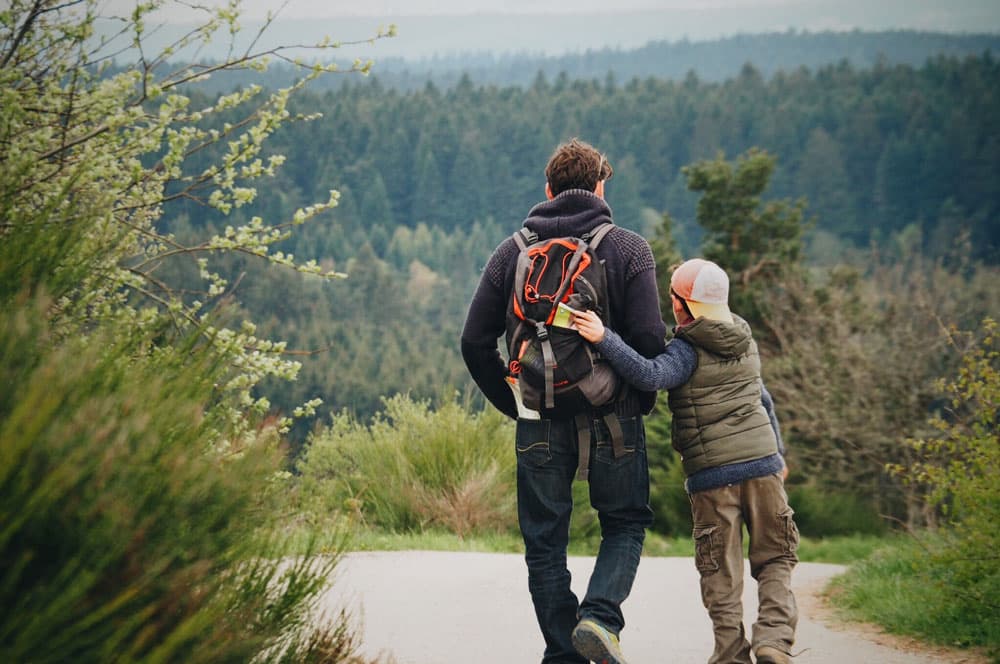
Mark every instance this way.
x=712 y=61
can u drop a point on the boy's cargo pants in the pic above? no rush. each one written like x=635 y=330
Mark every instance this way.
x=719 y=515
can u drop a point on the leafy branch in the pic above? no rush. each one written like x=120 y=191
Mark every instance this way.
x=105 y=153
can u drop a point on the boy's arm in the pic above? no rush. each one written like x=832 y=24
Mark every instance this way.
x=768 y=401
x=671 y=368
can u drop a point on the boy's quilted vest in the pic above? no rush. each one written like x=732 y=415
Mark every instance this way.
x=718 y=417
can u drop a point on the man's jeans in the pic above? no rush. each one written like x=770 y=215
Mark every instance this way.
x=719 y=515
x=619 y=491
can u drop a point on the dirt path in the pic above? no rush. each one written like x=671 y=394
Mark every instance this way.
x=425 y=607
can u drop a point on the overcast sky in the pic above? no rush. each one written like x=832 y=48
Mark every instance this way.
x=333 y=8
x=447 y=27
x=306 y=8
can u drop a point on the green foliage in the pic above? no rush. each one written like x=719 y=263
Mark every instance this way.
x=958 y=466
x=853 y=368
x=488 y=147
x=390 y=327
x=667 y=495
x=849 y=353
x=667 y=255
x=822 y=511
x=869 y=163
x=902 y=589
x=416 y=472
x=839 y=549
x=97 y=155
x=123 y=538
x=413 y=469
x=756 y=243
x=139 y=478
x=363 y=539
x=842 y=550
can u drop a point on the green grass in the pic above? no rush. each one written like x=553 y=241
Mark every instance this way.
x=841 y=550
x=372 y=540
x=435 y=541
x=900 y=588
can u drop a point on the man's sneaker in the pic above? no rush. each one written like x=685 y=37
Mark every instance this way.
x=771 y=655
x=596 y=643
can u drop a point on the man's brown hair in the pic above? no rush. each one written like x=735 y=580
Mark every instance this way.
x=576 y=165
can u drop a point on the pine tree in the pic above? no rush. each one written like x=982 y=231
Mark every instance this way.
x=756 y=242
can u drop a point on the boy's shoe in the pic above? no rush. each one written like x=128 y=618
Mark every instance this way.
x=596 y=643
x=771 y=655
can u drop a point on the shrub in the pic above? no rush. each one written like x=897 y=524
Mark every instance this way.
x=854 y=373
x=414 y=468
x=822 y=512
x=958 y=469
x=123 y=537
x=135 y=523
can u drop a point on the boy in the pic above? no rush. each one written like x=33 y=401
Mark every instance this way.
x=726 y=432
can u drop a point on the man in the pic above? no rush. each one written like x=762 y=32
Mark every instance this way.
x=547 y=448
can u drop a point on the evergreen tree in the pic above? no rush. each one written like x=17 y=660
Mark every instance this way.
x=756 y=242
x=375 y=208
x=822 y=178
x=622 y=193
x=429 y=193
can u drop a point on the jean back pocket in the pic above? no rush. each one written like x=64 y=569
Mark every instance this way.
x=532 y=442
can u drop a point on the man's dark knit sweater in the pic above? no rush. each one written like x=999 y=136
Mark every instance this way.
x=628 y=262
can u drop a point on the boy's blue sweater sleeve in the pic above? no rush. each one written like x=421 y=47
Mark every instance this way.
x=671 y=368
x=768 y=402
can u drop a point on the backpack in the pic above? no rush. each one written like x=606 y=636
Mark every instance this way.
x=556 y=369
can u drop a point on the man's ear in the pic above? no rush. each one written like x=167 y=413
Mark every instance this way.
x=548 y=191
x=599 y=189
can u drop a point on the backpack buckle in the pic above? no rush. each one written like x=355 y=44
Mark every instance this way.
x=541 y=331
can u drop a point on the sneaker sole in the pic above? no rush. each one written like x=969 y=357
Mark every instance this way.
x=594 y=647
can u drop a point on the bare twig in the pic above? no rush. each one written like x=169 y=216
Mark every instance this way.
x=36 y=11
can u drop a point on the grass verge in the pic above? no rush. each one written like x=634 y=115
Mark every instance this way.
x=899 y=588
x=840 y=550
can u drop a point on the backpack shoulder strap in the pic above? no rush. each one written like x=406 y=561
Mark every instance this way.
x=597 y=234
x=524 y=236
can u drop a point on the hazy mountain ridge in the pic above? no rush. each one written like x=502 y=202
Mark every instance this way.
x=714 y=60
